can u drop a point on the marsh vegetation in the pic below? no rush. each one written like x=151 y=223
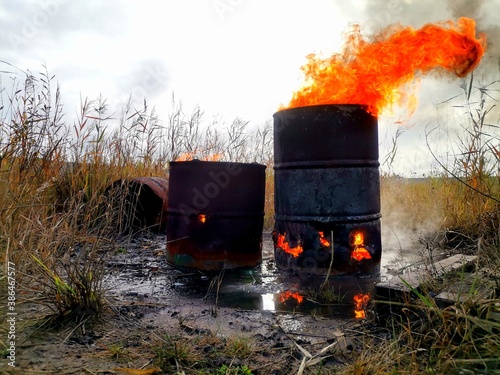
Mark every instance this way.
x=59 y=231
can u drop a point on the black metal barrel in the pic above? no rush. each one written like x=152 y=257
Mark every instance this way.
x=327 y=190
x=215 y=214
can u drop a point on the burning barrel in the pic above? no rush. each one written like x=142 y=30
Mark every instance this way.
x=327 y=190
x=215 y=214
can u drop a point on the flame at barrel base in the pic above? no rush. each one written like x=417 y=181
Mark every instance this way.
x=360 y=303
x=311 y=255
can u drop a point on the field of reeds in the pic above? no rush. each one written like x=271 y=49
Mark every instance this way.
x=56 y=225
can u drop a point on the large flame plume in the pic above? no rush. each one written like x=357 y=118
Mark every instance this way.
x=379 y=72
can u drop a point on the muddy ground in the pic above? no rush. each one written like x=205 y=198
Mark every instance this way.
x=182 y=321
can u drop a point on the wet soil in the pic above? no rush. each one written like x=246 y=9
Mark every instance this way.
x=171 y=320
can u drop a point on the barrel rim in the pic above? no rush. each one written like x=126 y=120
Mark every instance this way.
x=208 y=162
x=365 y=107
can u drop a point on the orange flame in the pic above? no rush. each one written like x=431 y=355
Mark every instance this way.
x=202 y=218
x=358 y=239
x=285 y=246
x=287 y=295
x=360 y=303
x=376 y=73
x=323 y=240
x=360 y=252
x=188 y=156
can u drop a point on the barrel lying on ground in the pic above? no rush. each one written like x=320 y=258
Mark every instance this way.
x=139 y=203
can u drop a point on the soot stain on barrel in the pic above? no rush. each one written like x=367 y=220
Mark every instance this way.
x=215 y=214
x=327 y=190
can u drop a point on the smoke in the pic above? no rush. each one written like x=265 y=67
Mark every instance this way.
x=487 y=20
x=407 y=218
x=461 y=8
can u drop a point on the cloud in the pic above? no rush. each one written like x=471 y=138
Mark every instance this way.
x=35 y=27
x=145 y=79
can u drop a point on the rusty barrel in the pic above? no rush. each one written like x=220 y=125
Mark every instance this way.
x=215 y=214
x=140 y=203
x=327 y=190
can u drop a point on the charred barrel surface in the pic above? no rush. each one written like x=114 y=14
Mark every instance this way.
x=327 y=189
x=215 y=214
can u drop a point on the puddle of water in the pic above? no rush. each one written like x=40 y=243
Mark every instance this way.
x=277 y=302
x=266 y=289
x=142 y=271
x=268 y=302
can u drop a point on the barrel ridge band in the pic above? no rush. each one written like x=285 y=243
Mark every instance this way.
x=328 y=219
x=176 y=211
x=327 y=163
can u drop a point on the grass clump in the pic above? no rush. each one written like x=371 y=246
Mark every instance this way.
x=238 y=370
x=206 y=353
x=239 y=346
x=450 y=341
x=175 y=353
x=74 y=294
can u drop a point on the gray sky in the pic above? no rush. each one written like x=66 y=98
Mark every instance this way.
x=231 y=57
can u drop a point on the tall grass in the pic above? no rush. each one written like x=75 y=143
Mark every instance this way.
x=54 y=171
x=462 y=203
x=441 y=342
x=471 y=189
